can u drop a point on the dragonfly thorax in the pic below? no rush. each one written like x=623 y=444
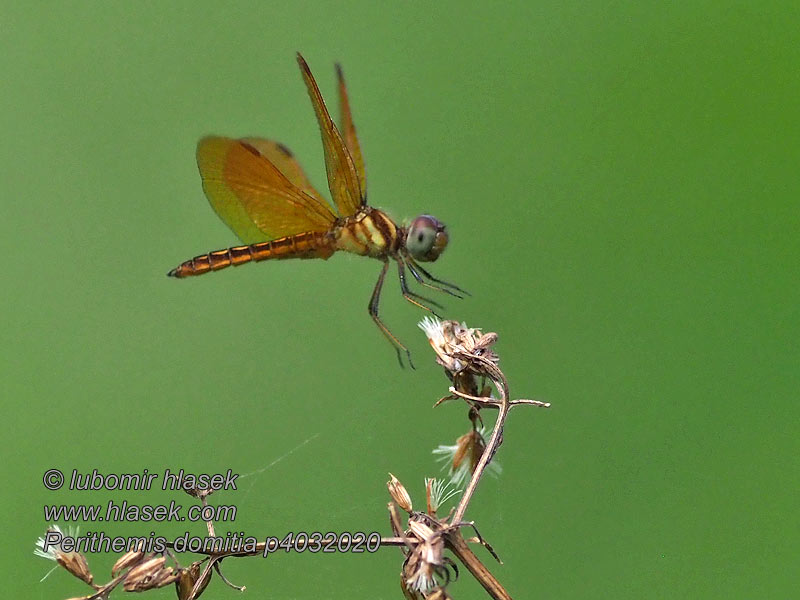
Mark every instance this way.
x=370 y=232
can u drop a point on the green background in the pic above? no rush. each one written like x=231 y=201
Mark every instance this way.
x=620 y=184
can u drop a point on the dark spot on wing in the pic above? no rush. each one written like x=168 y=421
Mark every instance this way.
x=250 y=148
x=284 y=149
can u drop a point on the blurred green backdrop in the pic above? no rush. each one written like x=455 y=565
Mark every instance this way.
x=620 y=184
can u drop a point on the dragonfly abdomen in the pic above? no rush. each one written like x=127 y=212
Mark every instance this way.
x=369 y=233
x=311 y=244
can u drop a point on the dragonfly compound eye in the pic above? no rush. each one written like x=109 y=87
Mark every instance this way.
x=426 y=238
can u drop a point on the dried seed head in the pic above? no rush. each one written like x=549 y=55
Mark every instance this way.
x=76 y=563
x=425 y=563
x=462 y=458
x=187 y=580
x=450 y=338
x=421 y=578
x=409 y=593
x=72 y=561
x=130 y=558
x=149 y=575
x=470 y=445
x=425 y=560
x=441 y=338
x=439 y=594
x=424 y=547
x=399 y=494
x=147 y=568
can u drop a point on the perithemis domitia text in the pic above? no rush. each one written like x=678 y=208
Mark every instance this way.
x=259 y=190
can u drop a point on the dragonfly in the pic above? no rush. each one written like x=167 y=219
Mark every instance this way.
x=260 y=191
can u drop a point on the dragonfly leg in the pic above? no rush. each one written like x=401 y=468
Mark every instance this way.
x=420 y=274
x=373 y=312
x=414 y=271
x=412 y=297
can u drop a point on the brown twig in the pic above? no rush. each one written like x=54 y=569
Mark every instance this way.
x=458 y=546
x=468 y=360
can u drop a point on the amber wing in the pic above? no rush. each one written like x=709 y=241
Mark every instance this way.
x=349 y=133
x=259 y=190
x=343 y=179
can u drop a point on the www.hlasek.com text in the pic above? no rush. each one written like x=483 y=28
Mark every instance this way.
x=124 y=511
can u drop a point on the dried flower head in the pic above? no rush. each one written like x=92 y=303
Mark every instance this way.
x=462 y=458
x=399 y=493
x=50 y=546
x=426 y=560
x=150 y=574
x=449 y=339
x=187 y=581
x=129 y=559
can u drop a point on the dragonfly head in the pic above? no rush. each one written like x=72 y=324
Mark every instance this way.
x=426 y=238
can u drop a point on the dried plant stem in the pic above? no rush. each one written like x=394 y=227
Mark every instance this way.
x=458 y=546
x=491 y=448
x=393 y=541
x=454 y=539
x=499 y=379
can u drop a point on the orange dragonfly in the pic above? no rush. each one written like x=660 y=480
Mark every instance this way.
x=259 y=190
